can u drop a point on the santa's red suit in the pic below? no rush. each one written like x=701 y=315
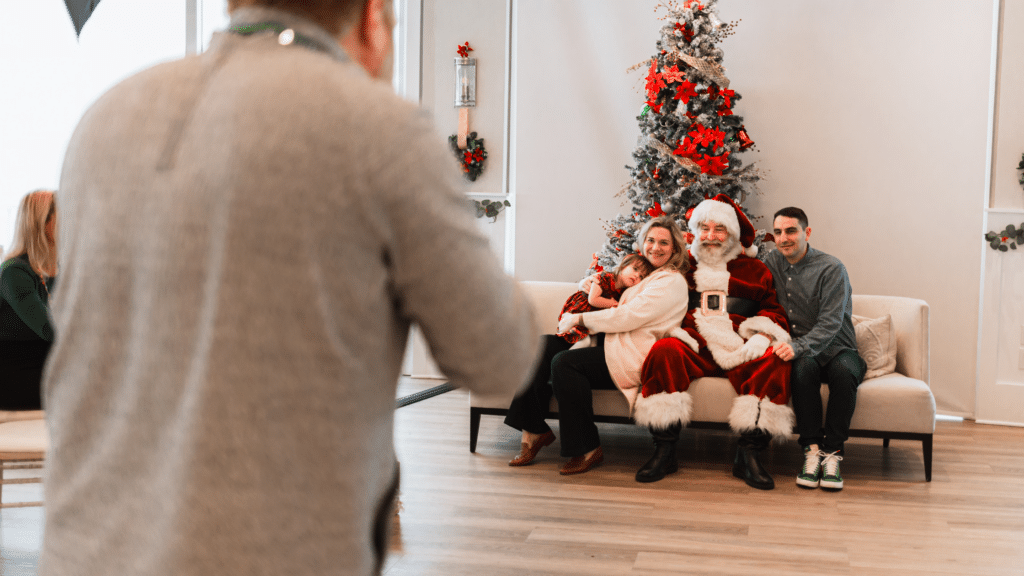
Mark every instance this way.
x=737 y=345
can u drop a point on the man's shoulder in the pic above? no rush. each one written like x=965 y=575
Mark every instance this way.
x=823 y=259
x=774 y=260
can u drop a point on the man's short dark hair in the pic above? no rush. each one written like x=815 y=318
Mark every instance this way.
x=793 y=212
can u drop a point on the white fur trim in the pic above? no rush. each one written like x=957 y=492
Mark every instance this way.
x=748 y=414
x=750 y=250
x=777 y=419
x=679 y=334
x=708 y=277
x=663 y=410
x=743 y=416
x=763 y=325
x=718 y=331
x=715 y=211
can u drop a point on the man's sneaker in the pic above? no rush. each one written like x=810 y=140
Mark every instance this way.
x=810 y=476
x=830 y=476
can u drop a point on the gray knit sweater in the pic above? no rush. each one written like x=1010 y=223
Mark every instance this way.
x=245 y=238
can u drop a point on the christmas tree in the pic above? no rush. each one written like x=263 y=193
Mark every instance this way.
x=689 y=136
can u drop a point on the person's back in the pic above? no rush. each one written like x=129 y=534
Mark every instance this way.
x=247 y=236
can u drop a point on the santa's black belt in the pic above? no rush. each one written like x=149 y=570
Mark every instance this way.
x=733 y=304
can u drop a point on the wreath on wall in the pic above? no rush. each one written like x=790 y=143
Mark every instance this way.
x=471 y=157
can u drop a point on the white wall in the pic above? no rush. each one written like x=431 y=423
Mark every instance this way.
x=50 y=78
x=870 y=115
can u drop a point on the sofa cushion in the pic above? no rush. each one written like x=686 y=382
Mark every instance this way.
x=876 y=344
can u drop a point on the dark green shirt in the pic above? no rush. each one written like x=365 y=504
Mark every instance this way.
x=24 y=308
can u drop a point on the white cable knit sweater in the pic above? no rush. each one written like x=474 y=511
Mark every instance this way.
x=645 y=314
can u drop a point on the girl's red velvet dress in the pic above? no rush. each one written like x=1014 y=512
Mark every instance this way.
x=580 y=302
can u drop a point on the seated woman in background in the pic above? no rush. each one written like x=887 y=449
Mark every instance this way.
x=647 y=312
x=26 y=278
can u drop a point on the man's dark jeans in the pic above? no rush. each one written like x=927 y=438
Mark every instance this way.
x=843 y=373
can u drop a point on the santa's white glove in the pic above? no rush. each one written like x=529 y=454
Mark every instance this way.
x=679 y=334
x=568 y=321
x=754 y=348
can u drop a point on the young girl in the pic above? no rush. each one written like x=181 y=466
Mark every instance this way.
x=604 y=293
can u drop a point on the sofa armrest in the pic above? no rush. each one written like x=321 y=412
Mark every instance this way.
x=548 y=299
x=910 y=321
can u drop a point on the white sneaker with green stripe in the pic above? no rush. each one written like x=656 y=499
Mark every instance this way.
x=810 y=476
x=830 y=476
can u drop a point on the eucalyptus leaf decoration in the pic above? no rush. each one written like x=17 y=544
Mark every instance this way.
x=490 y=209
x=1008 y=239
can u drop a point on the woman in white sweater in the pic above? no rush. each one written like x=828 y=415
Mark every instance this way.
x=646 y=313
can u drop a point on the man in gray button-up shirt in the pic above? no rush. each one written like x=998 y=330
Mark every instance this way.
x=815 y=290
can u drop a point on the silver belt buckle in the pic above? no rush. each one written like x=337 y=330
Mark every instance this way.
x=712 y=303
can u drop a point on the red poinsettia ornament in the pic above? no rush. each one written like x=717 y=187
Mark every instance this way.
x=464 y=50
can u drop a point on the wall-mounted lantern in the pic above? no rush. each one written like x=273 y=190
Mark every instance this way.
x=465 y=82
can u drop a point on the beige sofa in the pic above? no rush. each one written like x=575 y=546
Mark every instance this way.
x=898 y=405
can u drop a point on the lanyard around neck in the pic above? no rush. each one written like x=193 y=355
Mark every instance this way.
x=285 y=36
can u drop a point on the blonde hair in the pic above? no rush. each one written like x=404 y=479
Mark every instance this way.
x=680 y=260
x=30 y=233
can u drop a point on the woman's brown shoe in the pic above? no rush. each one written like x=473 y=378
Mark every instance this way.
x=581 y=464
x=527 y=453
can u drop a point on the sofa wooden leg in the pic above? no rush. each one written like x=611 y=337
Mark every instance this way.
x=885 y=442
x=474 y=428
x=926 y=446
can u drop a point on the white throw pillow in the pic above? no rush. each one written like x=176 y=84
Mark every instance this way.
x=876 y=344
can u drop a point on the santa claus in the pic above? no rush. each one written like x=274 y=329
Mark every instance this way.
x=733 y=321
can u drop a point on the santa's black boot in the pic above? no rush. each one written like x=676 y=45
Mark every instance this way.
x=747 y=464
x=664 y=460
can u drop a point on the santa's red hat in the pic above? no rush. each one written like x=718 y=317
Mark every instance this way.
x=723 y=210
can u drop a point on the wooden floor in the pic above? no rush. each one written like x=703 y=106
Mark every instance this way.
x=472 y=514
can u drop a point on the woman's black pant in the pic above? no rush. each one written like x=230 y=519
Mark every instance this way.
x=571 y=375
x=21 y=372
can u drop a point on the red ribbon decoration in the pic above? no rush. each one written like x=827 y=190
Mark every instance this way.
x=656 y=211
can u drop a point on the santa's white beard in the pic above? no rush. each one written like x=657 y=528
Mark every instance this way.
x=714 y=254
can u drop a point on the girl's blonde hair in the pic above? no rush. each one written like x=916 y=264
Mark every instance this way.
x=680 y=260
x=35 y=210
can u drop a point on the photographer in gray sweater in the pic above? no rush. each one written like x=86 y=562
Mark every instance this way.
x=246 y=237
